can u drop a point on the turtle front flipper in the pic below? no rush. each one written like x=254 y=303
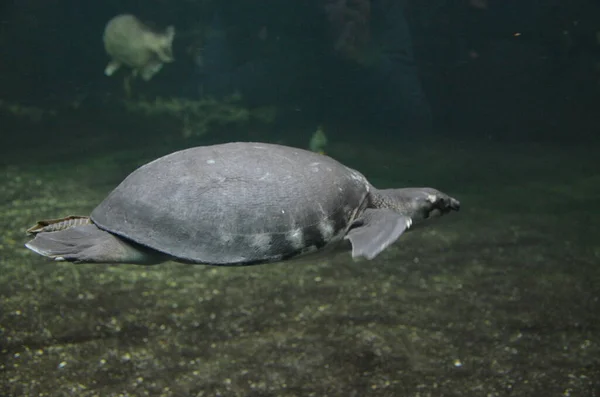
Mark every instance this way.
x=376 y=230
x=89 y=244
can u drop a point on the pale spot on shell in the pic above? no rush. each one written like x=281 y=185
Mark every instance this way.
x=357 y=176
x=296 y=238
x=326 y=229
x=210 y=161
x=321 y=209
x=265 y=176
x=225 y=237
x=315 y=166
x=261 y=241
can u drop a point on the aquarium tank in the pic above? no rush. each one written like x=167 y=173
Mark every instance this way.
x=300 y=198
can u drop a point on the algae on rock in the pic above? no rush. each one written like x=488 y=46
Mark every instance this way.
x=31 y=113
x=198 y=116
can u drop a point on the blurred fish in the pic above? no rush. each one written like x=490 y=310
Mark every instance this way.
x=130 y=42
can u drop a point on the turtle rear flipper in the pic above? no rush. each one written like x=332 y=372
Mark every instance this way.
x=376 y=230
x=54 y=225
x=89 y=244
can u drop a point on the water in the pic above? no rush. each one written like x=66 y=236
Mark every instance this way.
x=500 y=299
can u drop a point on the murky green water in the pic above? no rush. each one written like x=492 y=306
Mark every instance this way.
x=499 y=299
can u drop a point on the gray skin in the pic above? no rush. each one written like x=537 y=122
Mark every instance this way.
x=238 y=204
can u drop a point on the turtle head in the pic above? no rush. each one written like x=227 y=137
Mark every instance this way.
x=416 y=203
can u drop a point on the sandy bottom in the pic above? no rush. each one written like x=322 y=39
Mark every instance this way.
x=502 y=298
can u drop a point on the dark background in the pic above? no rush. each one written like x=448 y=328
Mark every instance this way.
x=481 y=80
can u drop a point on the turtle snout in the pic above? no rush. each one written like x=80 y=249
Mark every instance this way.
x=454 y=204
x=445 y=203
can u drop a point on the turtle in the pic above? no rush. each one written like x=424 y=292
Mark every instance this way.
x=237 y=204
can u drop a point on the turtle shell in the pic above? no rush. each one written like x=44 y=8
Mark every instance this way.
x=235 y=204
